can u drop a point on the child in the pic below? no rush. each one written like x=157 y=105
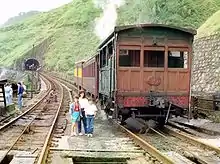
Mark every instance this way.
x=90 y=113
x=75 y=114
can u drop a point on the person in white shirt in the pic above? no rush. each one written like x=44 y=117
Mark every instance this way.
x=7 y=94
x=83 y=101
x=11 y=94
x=90 y=113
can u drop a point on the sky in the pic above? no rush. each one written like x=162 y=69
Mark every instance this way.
x=10 y=8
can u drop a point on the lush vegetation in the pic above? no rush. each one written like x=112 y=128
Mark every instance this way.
x=71 y=27
x=186 y=13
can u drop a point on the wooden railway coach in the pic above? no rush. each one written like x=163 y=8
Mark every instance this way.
x=78 y=74
x=90 y=75
x=144 y=68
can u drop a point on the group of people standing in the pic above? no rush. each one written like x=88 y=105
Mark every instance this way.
x=82 y=111
x=9 y=94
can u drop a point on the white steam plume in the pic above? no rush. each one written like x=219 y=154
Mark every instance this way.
x=107 y=21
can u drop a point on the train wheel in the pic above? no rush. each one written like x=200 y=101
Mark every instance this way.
x=161 y=121
x=122 y=119
x=178 y=112
x=195 y=114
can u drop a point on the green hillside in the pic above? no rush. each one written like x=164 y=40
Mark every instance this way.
x=211 y=26
x=186 y=13
x=71 y=27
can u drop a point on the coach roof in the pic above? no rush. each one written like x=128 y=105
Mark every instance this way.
x=81 y=61
x=121 y=28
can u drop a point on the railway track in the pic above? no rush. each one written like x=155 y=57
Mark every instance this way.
x=7 y=120
x=35 y=138
x=23 y=137
x=59 y=127
x=112 y=143
x=181 y=147
x=195 y=130
x=174 y=146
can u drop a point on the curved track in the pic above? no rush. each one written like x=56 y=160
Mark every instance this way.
x=173 y=146
x=41 y=135
x=7 y=121
x=120 y=141
x=24 y=136
x=59 y=126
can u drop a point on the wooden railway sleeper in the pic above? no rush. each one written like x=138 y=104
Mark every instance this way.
x=6 y=153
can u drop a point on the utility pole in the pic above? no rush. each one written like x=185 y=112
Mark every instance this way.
x=32 y=72
x=32 y=78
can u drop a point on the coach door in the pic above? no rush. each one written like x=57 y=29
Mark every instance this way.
x=112 y=74
x=129 y=72
x=105 y=72
x=178 y=72
x=154 y=72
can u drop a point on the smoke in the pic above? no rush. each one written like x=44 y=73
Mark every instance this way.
x=107 y=21
x=3 y=73
x=11 y=74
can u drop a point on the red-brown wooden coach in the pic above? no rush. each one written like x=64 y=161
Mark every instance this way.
x=142 y=69
x=90 y=76
x=78 y=74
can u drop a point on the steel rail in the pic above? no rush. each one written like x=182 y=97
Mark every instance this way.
x=43 y=156
x=193 y=127
x=146 y=146
x=6 y=153
x=194 y=141
x=30 y=109
x=27 y=111
x=143 y=144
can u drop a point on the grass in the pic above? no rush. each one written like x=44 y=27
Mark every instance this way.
x=71 y=28
x=211 y=26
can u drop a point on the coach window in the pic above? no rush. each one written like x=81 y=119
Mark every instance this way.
x=93 y=69
x=153 y=58
x=110 y=49
x=103 y=57
x=177 y=59
x=129 y=58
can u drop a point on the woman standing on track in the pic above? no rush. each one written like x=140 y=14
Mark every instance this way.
x=83 y=101
x=75 y=114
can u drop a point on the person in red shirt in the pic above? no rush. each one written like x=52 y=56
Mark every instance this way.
x=75 y=111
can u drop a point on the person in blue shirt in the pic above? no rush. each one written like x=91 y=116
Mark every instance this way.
x=75 y=113
x=20 y=95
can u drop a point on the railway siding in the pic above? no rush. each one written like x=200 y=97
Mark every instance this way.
x=182 y=148
x=203 y=125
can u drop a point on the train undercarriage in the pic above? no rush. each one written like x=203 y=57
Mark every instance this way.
x=156 y=114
